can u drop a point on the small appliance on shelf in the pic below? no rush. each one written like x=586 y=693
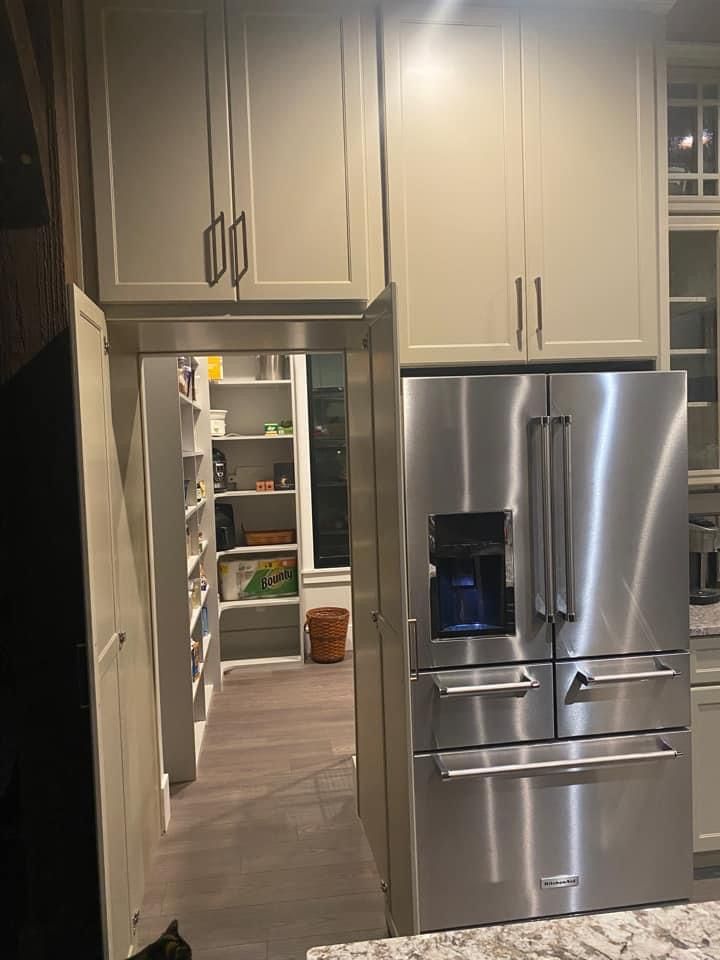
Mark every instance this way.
x=704 y=547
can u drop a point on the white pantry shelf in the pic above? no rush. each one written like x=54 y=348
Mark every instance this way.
x=253 y=436
x=195 y=559
x=259 y=602
x=227 y=494
x=274 y=548
x=248 y=382
x=198 y=679
x=188 y=454
x=191 y=403
x=196 y=611
x=701 y=403
x=191 y=511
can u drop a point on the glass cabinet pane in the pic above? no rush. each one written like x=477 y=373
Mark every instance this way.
x=709 y=139
x=328 y=459
x=693 y=337
x=682 y=144
x=692 y=156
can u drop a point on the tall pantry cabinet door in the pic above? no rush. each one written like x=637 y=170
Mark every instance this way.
x=103 y=642
x=591 y=184
x=455 y=182
x=297 y=147
x=160 y=146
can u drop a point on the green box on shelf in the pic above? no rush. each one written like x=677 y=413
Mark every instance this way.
x=248 y=579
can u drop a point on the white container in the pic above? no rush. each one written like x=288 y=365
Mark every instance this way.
x=217 y=423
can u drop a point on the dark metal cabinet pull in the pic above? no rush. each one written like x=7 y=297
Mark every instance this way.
x=520 y=318
x=241 y=222
x=538 y=293
x=218 y=272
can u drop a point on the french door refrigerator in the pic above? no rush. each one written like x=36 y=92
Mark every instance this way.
x=548 y=596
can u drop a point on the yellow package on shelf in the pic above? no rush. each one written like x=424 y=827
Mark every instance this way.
x=215 y=368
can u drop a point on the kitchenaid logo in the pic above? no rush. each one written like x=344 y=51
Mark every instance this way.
x=274 y=578
x=553 y=883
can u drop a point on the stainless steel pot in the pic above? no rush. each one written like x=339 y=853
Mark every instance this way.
x=272 y=366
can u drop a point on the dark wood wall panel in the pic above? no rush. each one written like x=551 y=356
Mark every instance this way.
x=34 y=261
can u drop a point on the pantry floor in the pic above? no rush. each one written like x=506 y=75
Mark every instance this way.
x=265 y=856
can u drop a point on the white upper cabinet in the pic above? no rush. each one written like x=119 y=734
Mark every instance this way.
x=591 y=184
x=298 y=151
x=455 y=182
x=159 y=129
x=522 y=182
x=231 y=157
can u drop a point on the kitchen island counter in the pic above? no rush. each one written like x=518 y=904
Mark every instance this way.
x=682 y=932
x=705 y=620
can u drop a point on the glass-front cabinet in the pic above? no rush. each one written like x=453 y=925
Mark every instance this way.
x=328 y=459
x=694 y=206
x=693 y=105
x=693 y=335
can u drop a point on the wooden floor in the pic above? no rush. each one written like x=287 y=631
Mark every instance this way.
x=265 y=856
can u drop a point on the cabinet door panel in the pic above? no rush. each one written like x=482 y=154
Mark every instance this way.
x=98 y=489
x=706 y=768
x=590 y=177
x=159 y=127
x=454 y=145
x=296 y=99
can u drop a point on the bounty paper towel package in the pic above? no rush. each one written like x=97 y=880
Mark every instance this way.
x=252 y=579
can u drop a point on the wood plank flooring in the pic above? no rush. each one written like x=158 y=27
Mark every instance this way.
x=265 y=856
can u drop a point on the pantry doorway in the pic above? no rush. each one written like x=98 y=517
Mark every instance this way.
x=273 y=760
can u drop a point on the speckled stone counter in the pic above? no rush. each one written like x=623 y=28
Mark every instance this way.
x=686 y=932
x=705 y=620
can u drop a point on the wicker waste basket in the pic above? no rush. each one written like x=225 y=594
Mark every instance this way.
x=327 y=627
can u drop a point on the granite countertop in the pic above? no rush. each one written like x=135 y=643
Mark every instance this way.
x=685 y=932
x=705 y=620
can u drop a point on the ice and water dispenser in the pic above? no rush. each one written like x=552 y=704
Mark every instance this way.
x=471 y=575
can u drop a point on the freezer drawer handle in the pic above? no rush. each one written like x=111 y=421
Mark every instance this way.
x=485 y=689
x=665 y=673
x=555 y=766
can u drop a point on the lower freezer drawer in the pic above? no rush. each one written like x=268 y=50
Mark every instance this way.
x=532 y=831
x=469 y=708
x=622 y=694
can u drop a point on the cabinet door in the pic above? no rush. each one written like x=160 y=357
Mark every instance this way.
x=706 y=768
x=455 y=189
x=297 y=147
x=590 y=179
x=103 y=642
x=159 y=128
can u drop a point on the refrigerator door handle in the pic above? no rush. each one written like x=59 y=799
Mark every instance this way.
x=412 y=636
x=664 y=673
x=548 y=550
x=569 y=535
x=485 y=689
x=544 y=767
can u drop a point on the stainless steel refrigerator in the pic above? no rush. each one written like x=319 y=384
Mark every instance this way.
x=548 y=585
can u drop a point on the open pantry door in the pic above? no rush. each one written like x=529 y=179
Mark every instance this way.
x=102 y=642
